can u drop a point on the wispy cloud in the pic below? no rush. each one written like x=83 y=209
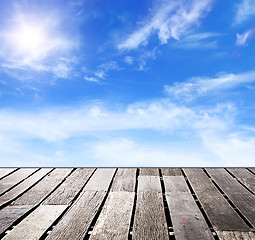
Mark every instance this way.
x=91 y=79
x=170 y=19
x=199 y=41
x=244 y=10
x=214 y=142
x=198 y=86
x=102 y=70
x=242 y=39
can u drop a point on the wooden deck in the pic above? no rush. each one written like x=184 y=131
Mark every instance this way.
x=127 y=203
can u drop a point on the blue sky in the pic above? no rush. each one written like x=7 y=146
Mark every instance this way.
x=127 y=83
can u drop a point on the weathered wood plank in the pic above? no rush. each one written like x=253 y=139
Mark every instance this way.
x=77 y=220
x=66 y=192
x=124 y=180
x=23 y=186
x=114 y=220
x=171 y=171
x=36 y=223
x=10 y=214
x=244 y=176
x=241 y=197
x=221 y=215
x=5 y=171
x=35 y=194
x=15 y=178
x=150 y=219
x=235 y=235
x=149 y=184
x=100 y=179
x=75 y=223
x=188 y=221
x=148 y=172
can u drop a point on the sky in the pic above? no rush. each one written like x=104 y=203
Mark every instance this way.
x=156 y=83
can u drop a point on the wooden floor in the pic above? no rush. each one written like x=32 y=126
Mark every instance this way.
x=127 y=203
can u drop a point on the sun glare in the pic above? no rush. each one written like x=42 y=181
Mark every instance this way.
x=29 y=38
x=28 y=41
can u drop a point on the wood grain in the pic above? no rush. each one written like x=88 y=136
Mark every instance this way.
x=150 y=219
x=235 y=235
x=245 y=177
x=100 y=179
x=10 y=214
x=241 y=197
x=222 y=216
x=36 y=223
x=5 y=171
x=15 y=178
x=77 y=220
x=23 y=186
x=124 y=180
x=66 y=192
x=149 y=184
x=43 y=188
x=171 y=171
x=114 y=220
x=149 y=172
x=188 y=221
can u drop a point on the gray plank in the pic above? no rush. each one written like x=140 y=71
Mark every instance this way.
x=241 y=197
x=100 y=179
x=66 y=192
x=36 y=223
x=5 y=171
x=124 y=180
x=114 y=220
x=171 y=171
x=75 y=223
x=15 y=178
x=149 y=184
x=188 y=221
x=245 y=177
x=148 y=172
x=78 y=218
x=150 y=220
x=27 y=183
x=10 y=214
x=221 y=215
x=235 y=235
x=43 y=188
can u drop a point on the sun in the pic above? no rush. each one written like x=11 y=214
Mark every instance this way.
x=28 y=40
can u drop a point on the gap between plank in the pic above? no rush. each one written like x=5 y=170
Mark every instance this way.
x=167 y=212
x=229 y=201
x=15 y=198
x=134 y=207
x=15 y=223
x=200 y=206
x=47 y=232
x=88 y=233
x=239 y=181
x=18 y=182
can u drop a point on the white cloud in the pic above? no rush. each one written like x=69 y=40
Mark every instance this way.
x=244 y=10
x=232 y=149
x=199 y=41
x=91 y=79
x=129 y=60
x=242 y=39
x=198 y=86
x=170 y=19
x=206 y=136
x=125 y=152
